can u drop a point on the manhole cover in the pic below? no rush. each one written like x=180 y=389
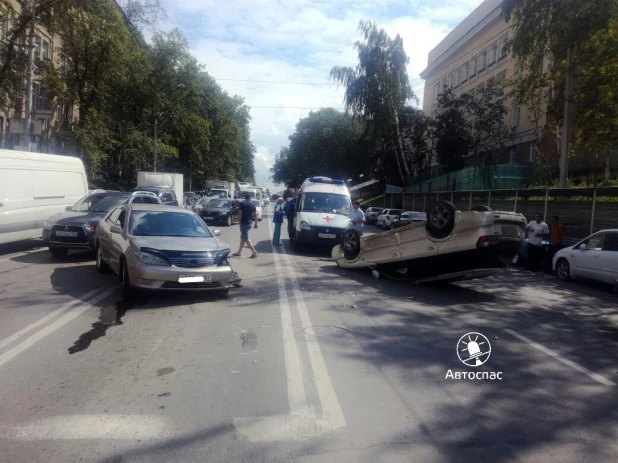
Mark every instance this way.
x=329 y=332
x=546 y=313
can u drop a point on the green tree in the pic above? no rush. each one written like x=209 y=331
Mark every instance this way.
x=378 y=88
x=416 y=130
x=324 y=143
x=490 y=132
x=453 y=132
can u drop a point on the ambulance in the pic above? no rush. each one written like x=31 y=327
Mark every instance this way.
x=321 y=214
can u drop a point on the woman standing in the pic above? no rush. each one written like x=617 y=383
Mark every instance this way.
x=278 y=220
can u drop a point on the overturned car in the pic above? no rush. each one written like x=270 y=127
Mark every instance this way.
x=450 y=245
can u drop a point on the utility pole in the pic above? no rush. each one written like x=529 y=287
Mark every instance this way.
x=29 y=83
x=564 y=145
x=154 y=164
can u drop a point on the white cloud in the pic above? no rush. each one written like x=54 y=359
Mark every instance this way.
x=300 y=41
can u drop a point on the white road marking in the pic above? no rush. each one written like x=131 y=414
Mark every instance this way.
x=36 y=337
x=560 y=358
x=301 y=423
x=68 y=427
x=20 y=333
x=326 y=391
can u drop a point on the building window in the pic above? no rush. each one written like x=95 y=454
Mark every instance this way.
x=493 y=50
x=504 y=46
x=437 y=92
x=466 y=72
x=532 y=154
x=434 y=115
x=473 y=65
x=512 y=155
x=515 y=114
x=480 y=90
x=519 y=70
x=457 y=77
x=451 y=80
x=501 y=84
x=444 y=85
x=45 y=50
x=37 y=47
x=483 y=60
x=4 y=24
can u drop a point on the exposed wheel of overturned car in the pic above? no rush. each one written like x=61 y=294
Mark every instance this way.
x=351 y=243
x=440 y=219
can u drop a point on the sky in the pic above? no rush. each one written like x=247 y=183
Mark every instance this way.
x=277 y=54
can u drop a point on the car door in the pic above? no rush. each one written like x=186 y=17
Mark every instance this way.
x=117 y=240
x=103 y=234
x=235 y=208
x=609 y=259
x=588 y=260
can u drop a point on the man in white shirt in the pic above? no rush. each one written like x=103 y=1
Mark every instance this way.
x=536 y=229
x=357 y=217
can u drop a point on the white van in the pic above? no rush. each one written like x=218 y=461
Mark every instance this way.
x=318 y=219
x=33 y=187
x=255 y=193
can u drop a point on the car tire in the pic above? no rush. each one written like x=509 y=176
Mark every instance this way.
x=296 y=247
x=563 y=270
x=350 y=243
x=58 y=252
x=102 y=267
x=228 y=220
x=440 y=219
x=125 y=283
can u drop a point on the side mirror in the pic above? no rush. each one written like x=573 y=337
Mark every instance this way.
x=583 y=247
x=116 y=229
x=217 y=233
x=68 y=208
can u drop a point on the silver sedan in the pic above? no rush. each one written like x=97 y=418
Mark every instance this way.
x=163 y=248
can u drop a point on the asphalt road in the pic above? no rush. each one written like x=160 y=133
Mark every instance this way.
x=306 y=362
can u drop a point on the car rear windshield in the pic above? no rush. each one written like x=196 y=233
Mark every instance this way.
x=165 y=223
x=219 y=203
x=325 y=202
x=100 y=203
x=418 y=215
x=395 y=212
x=256 y=203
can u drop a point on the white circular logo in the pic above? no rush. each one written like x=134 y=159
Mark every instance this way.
x=473 y=349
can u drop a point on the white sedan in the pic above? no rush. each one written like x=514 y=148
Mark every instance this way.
x=594 y=258
x=387 y=217
x=258 y=209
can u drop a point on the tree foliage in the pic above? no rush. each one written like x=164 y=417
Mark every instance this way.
x=378 y=88
x=453 y=132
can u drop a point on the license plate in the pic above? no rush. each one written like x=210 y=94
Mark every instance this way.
x=66 y=233
x=194 y=279
x=327 y=235
x=509 y=231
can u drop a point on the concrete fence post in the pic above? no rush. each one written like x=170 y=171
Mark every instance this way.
x=413 y=200
x=546 y=200
x=425 y=202
x=489 y=199
x=451 y=197
x=594 y=210
x=470 y=207
x=516 y=196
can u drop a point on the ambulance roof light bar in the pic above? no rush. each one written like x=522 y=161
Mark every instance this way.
x=325 y=180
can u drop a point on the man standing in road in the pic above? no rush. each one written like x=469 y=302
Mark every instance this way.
x=556 y=237
x=357 y=217
x=247 y=216
x=536 y=230
x=290 y=207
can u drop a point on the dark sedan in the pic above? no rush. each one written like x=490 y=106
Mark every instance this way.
x=74 y=229
x=222 y=211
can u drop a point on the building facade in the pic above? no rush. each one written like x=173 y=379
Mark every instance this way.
x=471 y=57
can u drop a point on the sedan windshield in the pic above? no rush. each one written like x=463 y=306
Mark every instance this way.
x=100 y=203
x=325 y=202
x=256 y=203
x=204 y=201
x=150 y=223
x=219 y=203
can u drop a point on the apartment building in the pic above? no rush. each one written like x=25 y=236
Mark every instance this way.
x=467 y=60
x=47 y=114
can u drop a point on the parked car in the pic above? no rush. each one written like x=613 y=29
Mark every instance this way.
x=166 y=195
x=75 y=228
x=450 y=245
x=386 y=218
x=201 y=203
x=224 y=211
x=258 y=209
x=162 y=248
x=408 y=217
x=522 y=255
x=371 y=215
x=595 y=258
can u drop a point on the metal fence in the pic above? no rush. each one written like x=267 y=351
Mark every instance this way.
x=581 y=210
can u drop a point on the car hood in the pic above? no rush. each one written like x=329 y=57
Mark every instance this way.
x=325 y=219
x=72 y=218
x=174 y=243
x=215 y=209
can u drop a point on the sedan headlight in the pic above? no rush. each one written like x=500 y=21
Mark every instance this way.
x=147 y=258
x=47 y=225
x=221 y=259
x=305 y=226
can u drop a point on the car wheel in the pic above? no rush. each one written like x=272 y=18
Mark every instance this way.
x=58 y=252
x=441 y=219
x=563 y=270
x=102 y=267
x=296 y=247
x=351 y=244
x=229 y=220
x=125 y=282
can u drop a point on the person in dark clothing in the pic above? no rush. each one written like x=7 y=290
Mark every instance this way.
x=247 y=216
x=290 y=207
